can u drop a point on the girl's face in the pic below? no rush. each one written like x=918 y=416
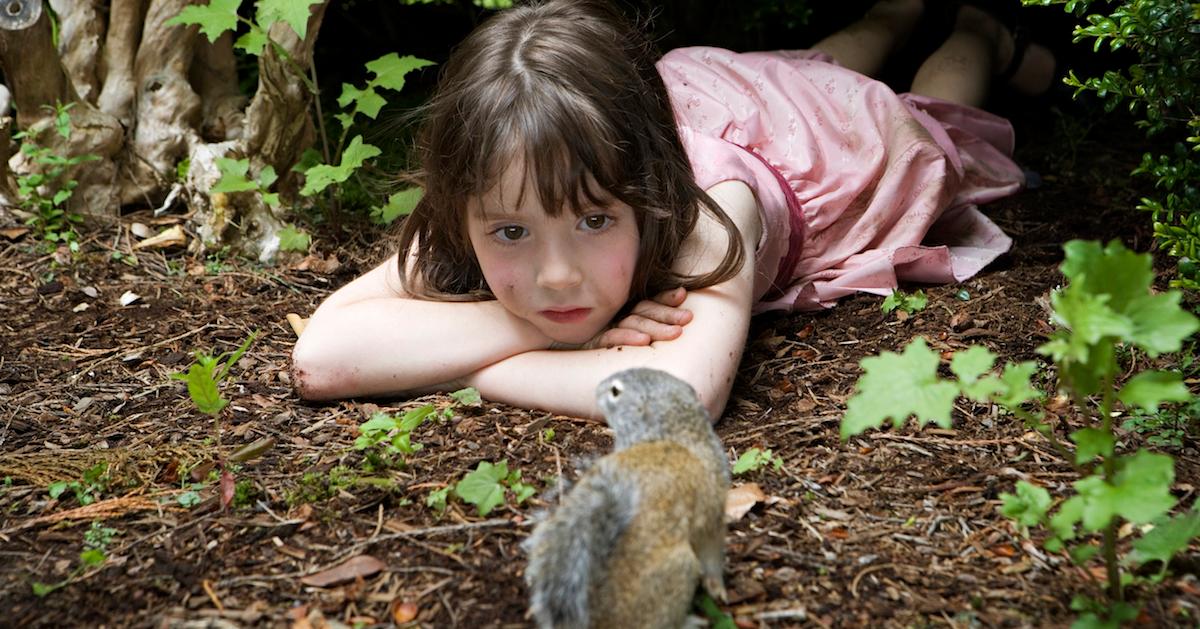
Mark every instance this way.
x=567 y=275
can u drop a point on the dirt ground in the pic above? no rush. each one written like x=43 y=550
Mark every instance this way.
x=894 y=528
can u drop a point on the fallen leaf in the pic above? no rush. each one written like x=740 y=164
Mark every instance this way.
x=13 y=233
x=317 y=264
x=128 y=297
x=1004 y=550
x=741 y=499
x=80 y=307
x=172 y=237
x=352 y=568
x=404 y=611
x=228 y=488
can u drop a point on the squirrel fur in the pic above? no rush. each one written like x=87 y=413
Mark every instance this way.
x=645 y=524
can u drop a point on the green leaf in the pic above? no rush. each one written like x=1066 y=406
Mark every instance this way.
x=233 y=176
x=1091 y=443
x=214 y=18
x=267 y=177
x=294 y=13
x=416 y=417
x=391 y=68
x=188 y=499
x=379 y=422
x=1090 y=319
x=468 y=396
x=751 y=460
x=1159 y=324
x=1028 y=506
x=203 y=389
x=891 y=302
x=1140 y=491
x=42 y=589
x=1114 y=271
x=972 y=363
x=92 y=557
x=1016 y=389
x=482 y=487
x=1165 y=540
x=322 y=176
x=57 y=488
x=895 y=386
x=253 y=42
x=1150 y=389
x=1063 y=522
x=523 y=492
x=436 y=499
x=399 y=204
x=1082 y=553
x=293 y=239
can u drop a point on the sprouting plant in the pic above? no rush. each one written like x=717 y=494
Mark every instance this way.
x=754 y=459
x=485 y=486
x=95 y=544
x=907 y=302
x=86 y=490
x=388 y=438
x=203 y=380
x=1108 y=302
x=45 y=192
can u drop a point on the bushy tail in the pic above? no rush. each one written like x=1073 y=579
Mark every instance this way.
x=570 y=549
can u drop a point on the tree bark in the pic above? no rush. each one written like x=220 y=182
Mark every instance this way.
x=120 y=48
x=33 y=71
x=214 y=75
x=80 y=32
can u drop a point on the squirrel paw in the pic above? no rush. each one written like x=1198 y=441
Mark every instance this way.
x=715 y=586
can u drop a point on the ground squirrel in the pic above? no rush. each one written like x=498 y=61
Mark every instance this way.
x=645 y=523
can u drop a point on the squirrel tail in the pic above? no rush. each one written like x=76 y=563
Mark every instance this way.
x=568 y=551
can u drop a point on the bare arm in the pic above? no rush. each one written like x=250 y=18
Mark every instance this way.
x=370 y=338
x=706 y=354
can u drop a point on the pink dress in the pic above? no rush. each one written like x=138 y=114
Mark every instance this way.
x=860 y=187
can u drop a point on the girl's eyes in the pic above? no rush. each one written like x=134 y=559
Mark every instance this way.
x=596 y=221
x=510 y=233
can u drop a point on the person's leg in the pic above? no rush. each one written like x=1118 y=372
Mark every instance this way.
x=980 y=47
x=865 y=45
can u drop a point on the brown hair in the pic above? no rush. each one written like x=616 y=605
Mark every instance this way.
x=569 y=88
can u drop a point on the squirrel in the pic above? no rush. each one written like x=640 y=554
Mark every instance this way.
x=645 y=523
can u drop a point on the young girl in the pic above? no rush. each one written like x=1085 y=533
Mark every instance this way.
x=588 y=210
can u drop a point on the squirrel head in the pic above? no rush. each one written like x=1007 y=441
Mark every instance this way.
x=647 y=404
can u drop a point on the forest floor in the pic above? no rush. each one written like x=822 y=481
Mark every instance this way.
x=896 y=528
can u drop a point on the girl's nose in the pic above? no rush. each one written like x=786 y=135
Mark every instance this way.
x=558 y=270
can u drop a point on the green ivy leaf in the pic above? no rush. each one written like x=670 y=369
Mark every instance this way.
x=1165 y=540
x=1092 y=442
x=322 y=176
x=399 y=204
x=1015 y=388
x=233 y=176
x=972 y=363
x=293 y=239
x=1159 y=324
x=436 y=499
x=92 y=557
x=391 y=68
x=214 y=18
x=253 y=42
x=1150 y=389
x=482 y=487
x=1113 y=270
x=896 y=386
x=1140 y=491
x=1028 y=506
x=294 y=13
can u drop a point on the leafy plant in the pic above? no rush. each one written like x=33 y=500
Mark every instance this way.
x=909 y=303
x=203 y=380
x=95 y=544
x=45 y=192
x=1161 y=86
x=87 y=490
x=388 y=438
x=485 y=486
x=1107 y=303
x=754 y=459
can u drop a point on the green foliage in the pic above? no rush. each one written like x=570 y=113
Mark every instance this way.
x=717 y=619
x=88 y=489
x=291 y=238
x=95 y=542
x=754 y=459
x=1166 y=426
x=436 y=499
x=204 y=376
x=45 y=192
x=910 y=303
x=388 y=438
x=1160 y=87
x=485 y=486
x=1107 y=304
x=234 y=179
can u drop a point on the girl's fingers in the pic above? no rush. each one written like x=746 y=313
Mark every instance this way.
x=662 y=313
x=622 y=336
x=656 y=330
x=673 y=297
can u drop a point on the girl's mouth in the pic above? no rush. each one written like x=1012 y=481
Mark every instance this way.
x=574 y=315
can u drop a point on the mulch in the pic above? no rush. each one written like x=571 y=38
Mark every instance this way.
x=895 y=528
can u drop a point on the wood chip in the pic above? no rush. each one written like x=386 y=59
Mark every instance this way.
x=352 y=568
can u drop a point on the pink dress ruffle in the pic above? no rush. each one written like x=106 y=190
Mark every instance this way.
x=860 y=187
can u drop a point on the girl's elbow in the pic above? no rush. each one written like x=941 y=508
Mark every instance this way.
x=314 y=373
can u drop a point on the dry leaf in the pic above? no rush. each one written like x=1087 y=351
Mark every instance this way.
x=228 y=488
x=13 y=233
x=140 y=230
x=741 y=499
x=317 y=264
x=352 y=568
x=172 y=237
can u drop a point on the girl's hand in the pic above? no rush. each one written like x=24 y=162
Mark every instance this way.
x=657 y=319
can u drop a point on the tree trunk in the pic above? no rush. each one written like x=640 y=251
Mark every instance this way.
x=144 y=96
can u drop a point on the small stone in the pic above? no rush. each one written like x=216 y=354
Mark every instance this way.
x=140 y=230
x=90 y=291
